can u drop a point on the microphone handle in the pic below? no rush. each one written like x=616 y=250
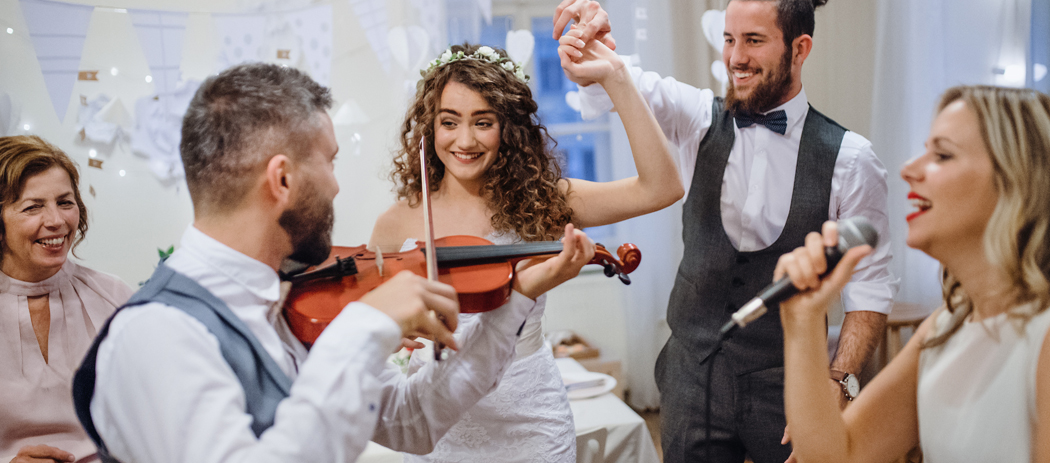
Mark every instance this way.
x=775 y=293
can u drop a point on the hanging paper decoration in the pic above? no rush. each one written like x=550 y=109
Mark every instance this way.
x=158 y=132
x=408 y=46
x=10 y=114
x=161 y=35
x=310 y=30
x=520 y=45
x=432 y=18
x=240 y=39
x=58 y=32
x=102 y=120
x=372 y=16
x=301 y=39
x=486 y=10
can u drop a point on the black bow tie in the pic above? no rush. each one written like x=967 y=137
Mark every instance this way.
x=776 y=121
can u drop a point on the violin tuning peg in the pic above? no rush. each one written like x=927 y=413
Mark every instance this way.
x=609 y=270
x=624 y=278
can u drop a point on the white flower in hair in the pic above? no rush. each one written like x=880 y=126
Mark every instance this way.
x=483 y=53
x=488 y=53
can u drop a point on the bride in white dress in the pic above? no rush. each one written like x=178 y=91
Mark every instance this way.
x=492 y=172
x=973 y=383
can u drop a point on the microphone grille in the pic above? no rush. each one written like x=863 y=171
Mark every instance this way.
x=856 y=231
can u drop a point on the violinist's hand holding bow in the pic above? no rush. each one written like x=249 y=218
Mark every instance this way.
x=537 y=276
x=422 y=308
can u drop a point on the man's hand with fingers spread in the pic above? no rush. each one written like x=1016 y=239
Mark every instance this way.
x=591 y=19
x=422 y=308
x=42 y=454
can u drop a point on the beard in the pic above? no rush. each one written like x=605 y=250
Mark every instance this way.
x=766 y=94
x=309 y=224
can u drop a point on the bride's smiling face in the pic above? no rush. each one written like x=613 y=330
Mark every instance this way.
x=466 y=133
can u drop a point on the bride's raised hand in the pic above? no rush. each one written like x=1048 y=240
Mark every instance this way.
x=586 y=63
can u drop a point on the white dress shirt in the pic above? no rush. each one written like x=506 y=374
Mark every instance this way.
x=760 y=174
x=164 y=393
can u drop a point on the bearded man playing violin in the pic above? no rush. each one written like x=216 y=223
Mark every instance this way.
x=200 y=367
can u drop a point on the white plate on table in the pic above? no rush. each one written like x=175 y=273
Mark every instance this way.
x=587 y=384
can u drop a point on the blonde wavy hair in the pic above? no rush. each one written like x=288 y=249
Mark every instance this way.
x=521 y=186
x=1015 y=127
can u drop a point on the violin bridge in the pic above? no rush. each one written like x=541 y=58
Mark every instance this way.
x=379 y=261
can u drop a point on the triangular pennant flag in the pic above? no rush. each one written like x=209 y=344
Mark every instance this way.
x=372 y=16
x=161 y=35
x=240 y=39
x=58 y=32
x=313 y=29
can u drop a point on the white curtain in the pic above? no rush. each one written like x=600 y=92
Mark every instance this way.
x=922 y=49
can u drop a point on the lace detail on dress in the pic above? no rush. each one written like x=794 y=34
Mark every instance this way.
x=526 y=419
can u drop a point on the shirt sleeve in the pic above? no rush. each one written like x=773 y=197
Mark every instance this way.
x=862 y=191
x=163 y=367
x=683 y=112
x=417 y=410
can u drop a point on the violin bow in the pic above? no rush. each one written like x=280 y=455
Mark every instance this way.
x=428 y=229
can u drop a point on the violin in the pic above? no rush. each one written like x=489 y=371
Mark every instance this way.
x=480 y=272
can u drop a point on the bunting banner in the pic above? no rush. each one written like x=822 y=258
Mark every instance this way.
x=58 y=32
x=301 y=39
x=161 y=35
x=373 y=18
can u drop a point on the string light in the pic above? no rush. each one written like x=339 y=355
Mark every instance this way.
x=92 y=153
x=113 y=71
x=122 y=172
x=26 y=127
x=149 y=79
x=10 y=31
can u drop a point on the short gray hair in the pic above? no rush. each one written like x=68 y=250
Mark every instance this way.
x=237 y=121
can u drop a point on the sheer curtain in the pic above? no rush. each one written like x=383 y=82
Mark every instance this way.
x=922 y=49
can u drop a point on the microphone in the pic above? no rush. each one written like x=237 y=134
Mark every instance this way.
x=854 y=231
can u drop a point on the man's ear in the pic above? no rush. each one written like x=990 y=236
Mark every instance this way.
x=800 y=48
x=280 y=175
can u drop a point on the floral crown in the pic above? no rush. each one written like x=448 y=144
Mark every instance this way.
x=481 y=54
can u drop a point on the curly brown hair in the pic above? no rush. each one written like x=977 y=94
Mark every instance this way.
x=522 y=183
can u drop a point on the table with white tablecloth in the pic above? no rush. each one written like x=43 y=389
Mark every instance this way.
x=628 y=439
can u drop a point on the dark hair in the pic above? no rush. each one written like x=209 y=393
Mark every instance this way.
x=238 y=120
x=24 y=156
x=522 y=183
x=796 y=17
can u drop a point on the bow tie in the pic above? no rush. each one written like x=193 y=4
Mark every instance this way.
x=776 y=121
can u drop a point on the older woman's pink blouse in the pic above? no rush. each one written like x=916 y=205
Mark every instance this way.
x=36 y=404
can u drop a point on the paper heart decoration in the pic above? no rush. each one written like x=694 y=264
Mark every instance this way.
x=408 y=46
x=520 y=44
x=718 y=69
x=714 y=25
x=573 y=100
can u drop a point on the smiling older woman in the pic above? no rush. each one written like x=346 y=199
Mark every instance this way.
x=50 y=307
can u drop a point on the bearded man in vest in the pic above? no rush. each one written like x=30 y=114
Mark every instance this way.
x=763 y=169
x=200 y=365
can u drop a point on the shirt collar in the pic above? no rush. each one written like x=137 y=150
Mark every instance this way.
x=256 y=277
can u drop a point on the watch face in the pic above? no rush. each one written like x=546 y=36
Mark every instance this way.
x=852 y=385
